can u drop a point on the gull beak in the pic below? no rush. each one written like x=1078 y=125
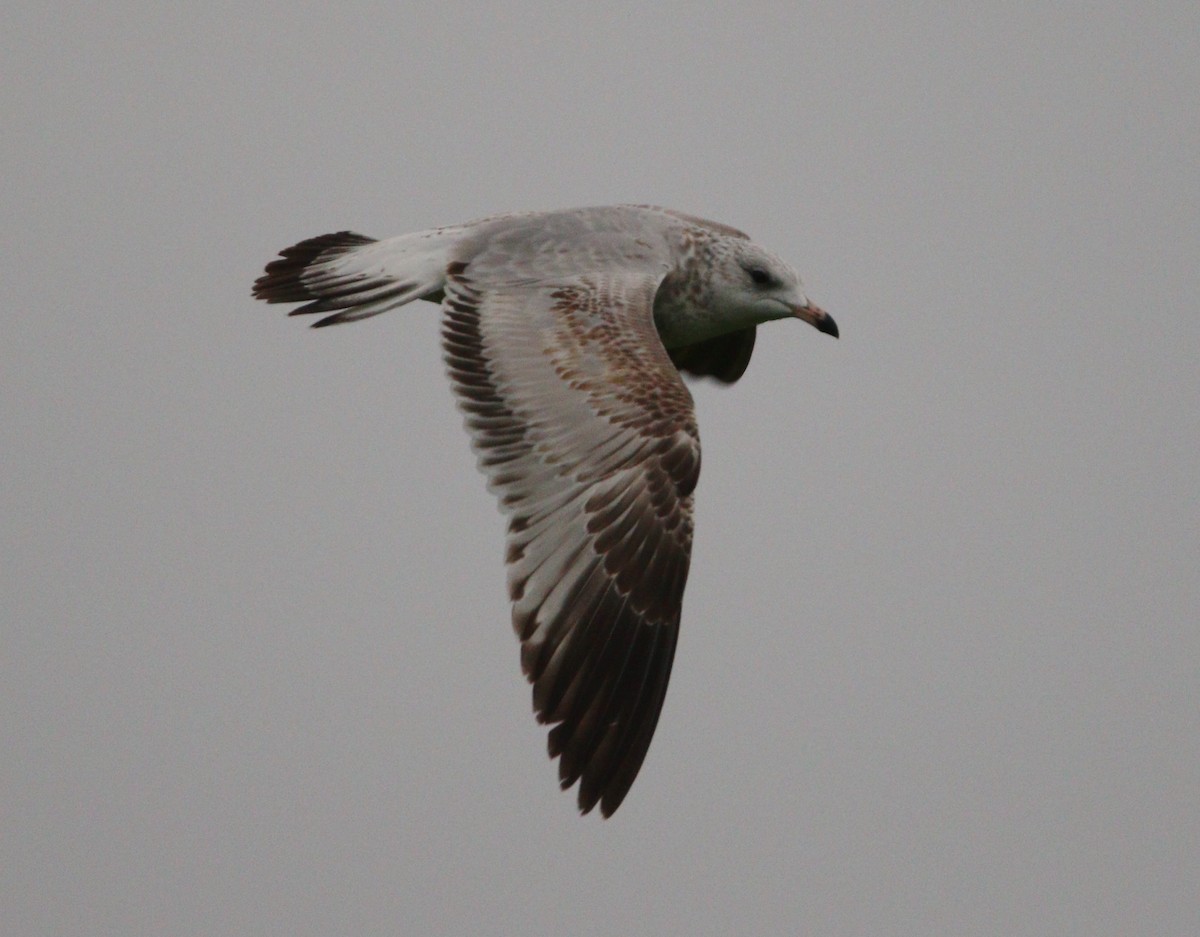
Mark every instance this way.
x=819 y=319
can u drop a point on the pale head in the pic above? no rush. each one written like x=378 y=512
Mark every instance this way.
x=750 y=284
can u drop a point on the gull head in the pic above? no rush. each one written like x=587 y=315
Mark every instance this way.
x=750 y=284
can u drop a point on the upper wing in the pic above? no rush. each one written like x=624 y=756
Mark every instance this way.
x=588 y=436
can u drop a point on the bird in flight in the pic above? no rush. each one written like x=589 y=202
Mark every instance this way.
x=565 y=334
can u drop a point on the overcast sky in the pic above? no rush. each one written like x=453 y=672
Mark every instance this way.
x=938 y=671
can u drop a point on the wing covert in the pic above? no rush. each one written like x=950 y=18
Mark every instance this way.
x=587 y=435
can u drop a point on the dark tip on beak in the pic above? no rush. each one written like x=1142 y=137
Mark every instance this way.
x=819 y=319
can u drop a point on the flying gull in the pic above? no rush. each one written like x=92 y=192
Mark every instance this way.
x=564 y=335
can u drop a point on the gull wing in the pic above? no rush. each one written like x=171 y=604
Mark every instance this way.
x=587 y=434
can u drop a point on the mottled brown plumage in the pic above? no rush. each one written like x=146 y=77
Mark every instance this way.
x=564 y=334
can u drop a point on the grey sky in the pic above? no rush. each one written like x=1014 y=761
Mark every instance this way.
x=938 y=670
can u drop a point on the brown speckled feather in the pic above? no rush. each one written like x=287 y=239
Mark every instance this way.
x=587 y=434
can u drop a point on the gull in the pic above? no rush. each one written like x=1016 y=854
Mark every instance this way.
x=565 y=334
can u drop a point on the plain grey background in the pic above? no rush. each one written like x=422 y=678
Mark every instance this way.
x=939 y=666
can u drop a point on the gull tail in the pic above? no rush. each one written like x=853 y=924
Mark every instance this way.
x=356 y=277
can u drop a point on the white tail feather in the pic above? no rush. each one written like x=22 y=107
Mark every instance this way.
x=356 y=277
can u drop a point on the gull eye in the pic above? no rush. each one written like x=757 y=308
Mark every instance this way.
x=759 y=276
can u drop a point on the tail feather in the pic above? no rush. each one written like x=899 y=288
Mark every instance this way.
x=281 y=283
x=359 y=305
x=354 y=276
